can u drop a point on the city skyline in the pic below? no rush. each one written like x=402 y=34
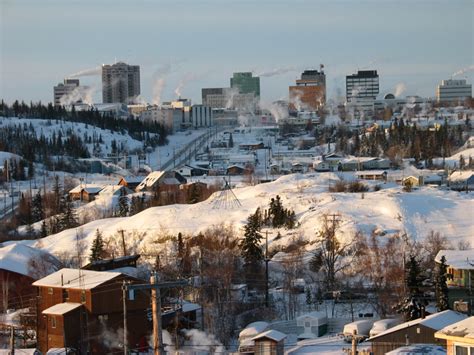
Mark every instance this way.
x=185 y=46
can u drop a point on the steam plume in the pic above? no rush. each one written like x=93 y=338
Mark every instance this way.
x=87 y=72
x=276 y=71
x=159 y=82
x=400 y=89
x=182 y=83
x=464 y=70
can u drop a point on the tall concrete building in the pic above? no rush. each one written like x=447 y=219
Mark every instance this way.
x=363 y=85
x=228 y=98
x=120 y=82
x=69 y=92
x=309 y=93
x=245 y=83
x=453 y=90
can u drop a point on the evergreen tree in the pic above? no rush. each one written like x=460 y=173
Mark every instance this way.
x=123 y=205
x=250 y=247
x=97 y=249
x=37 y=210
x=68 y=218
x=441 y=286
x=231 y=141
x=44 y=230
x=462 y=162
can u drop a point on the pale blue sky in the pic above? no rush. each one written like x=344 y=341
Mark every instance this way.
x=415 y=42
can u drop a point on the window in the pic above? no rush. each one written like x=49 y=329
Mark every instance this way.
x=53 y=321
x=65 y=294
x=50 y=290
x=83 y=296
x=461 y=350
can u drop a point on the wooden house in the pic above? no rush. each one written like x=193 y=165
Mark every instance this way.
x=235 y=170
x=459 y=337
x=418 y=331
x=461 y=180
x=77 y=307
x=20 y=265
x=156 y=179
x=85 y=192
x=271 y=342
x=131 y=181
x=460 y=281
x=380 y=175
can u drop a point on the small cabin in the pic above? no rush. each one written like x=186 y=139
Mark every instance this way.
x=271 y=342
x=131 y=181
x=85 y=192
x=312 y=325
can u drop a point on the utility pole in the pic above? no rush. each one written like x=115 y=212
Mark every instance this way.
x=12 y=340
x=156 y=310
x=124 y=247
x=125 y=335
x=155 y=287
x=266 y=269
x=354 y=342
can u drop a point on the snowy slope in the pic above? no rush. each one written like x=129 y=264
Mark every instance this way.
x=48 y=127
x=389 y=210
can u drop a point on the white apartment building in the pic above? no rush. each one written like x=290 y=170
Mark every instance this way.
x=453 y=90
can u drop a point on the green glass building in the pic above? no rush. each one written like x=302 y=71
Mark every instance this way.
x=246 y=83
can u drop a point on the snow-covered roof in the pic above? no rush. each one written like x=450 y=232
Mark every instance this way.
x=419 y=349
x=62 y=308
x=462 y=329
x=435 y=321
x=20 y=351
x=16 y=258
x=370 y=172
x=89 y=188
x=271 y=334
x=189 y=307
x=133 y=179
x=314 y=314
x=460 y=175
x=150 y=180
x=458 y=259
x=111 y=189
x=253 y=329
x=69 y=278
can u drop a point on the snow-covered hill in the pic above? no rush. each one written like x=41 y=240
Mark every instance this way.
x=389 y=210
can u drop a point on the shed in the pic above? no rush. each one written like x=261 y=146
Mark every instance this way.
x=312 y=325
x=418 y=331
x=461 y=180
x=271 y=342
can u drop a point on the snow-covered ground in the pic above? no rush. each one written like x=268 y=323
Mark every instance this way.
x=389 y=211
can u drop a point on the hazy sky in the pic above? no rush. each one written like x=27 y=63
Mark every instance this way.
x=199 y=43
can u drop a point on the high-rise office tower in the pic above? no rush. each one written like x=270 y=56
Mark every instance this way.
x=68 y=92
x=245 y=83
x=309 y=93
x=363 y=85
x=453 y=90
x=120 y=82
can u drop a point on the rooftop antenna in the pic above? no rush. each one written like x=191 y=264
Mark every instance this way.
x=226 y=199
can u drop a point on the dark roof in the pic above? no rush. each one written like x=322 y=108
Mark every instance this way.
x=364 y=74
x=110 y=264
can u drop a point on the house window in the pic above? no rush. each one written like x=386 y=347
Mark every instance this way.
x=53 y=321
x=83 y=296
x=461 y=350
x=65 y=294
x=50 y=290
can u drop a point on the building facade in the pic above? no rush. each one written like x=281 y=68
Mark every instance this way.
x=228 y=98
x=246 y=83
x=364 y=84
x=69 y=92
x=453 y=91
x=309 y=93
x=120 y=82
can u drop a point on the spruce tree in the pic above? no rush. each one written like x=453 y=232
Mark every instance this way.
x=97 y=249
x=441 y=286
x=68 y=218
x=123 y=205
x=250 y=247
x=37 y=211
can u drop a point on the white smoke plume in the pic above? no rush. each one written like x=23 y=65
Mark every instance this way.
x=279 y=112
x=276 y=71
x=159 y=82
x=82 y=94
x=87 y=72
x=229 y=95
x=464 y=70
x=202 y=342
x=296 y=100
x=400 y=88
x=182 y=83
